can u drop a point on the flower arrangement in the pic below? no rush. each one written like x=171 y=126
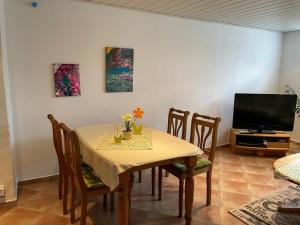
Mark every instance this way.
x=131 y=122
x=127 y=118
x=137 y=126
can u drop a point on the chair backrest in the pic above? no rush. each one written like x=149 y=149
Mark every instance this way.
x=72 y=155
x=177 y=121
x=57 y=139
x=204 y=128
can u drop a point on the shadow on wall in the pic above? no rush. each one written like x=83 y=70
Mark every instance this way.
x=30 y=167
x=213 y=109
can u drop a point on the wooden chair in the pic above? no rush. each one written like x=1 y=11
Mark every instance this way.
x=82 y=177
x=177 y=123
x=62 y=172
x=202 y=128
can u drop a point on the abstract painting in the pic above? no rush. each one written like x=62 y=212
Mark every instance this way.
x=67 y=80
x=119 y=69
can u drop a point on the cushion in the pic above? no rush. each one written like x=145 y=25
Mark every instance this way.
x=86 y=165
x=201 y=163
x=91 y=180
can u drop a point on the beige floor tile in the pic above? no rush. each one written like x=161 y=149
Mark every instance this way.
x=50 y=219
x=39 y=202
x=237 y=179
x=18 y=216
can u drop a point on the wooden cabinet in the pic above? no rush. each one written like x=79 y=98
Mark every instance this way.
x=260 y=144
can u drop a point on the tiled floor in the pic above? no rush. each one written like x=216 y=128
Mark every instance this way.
x=237 y=179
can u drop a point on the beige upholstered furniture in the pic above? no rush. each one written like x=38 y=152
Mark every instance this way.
x=289 y=168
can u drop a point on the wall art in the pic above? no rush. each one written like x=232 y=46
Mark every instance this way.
x=67 y=80
x=119 y=69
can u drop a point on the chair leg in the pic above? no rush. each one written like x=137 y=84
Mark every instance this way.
x=140 y=176
x=60 y=184
x=83 y=208
x=65 y=194
x=112 y=201
x=159 y=183
x=153 y=180
x=208 y=188
x=73 y=196
x=105 y=201
x=181 y=183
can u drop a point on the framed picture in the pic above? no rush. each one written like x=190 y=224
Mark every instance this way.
x=66 y=79
x=119 y=69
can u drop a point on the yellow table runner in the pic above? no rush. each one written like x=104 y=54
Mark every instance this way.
x=137 y=142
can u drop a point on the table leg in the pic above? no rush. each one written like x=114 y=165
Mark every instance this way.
x=189 y=188
x=123 y=201
x=153 y=180
x=129 y=196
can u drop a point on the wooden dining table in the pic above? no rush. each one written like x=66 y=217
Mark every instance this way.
x=115 y=166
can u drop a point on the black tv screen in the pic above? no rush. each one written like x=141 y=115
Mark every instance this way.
x=264 y=112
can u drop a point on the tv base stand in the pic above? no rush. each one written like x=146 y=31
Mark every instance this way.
x=277 y=143
x=261 y=131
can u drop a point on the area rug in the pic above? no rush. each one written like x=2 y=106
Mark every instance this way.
x=264 y=210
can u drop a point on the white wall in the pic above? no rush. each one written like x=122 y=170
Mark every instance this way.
x=182 y=63
x=290 y=69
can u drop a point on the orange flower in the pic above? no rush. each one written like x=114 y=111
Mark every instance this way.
x=138 y=113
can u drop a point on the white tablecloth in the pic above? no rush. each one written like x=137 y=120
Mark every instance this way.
x=108 y=164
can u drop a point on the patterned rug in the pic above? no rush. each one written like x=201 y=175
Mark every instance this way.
x=264 y=211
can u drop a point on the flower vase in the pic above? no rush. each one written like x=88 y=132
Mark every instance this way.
x=137 y=129
x=127 y=134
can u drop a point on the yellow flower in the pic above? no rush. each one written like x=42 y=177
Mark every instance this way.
x=108 y=50
x=138 y=113
x=127 y=117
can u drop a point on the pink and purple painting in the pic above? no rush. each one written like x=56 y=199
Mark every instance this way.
x=67 y=80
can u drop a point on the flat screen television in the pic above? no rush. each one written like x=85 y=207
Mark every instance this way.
x=264 y=112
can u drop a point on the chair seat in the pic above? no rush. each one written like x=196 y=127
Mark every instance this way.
x=201 y=163
x=83 y=164
x=91 y=180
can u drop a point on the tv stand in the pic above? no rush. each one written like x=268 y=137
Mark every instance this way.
x=259 y=131
x=243 y=141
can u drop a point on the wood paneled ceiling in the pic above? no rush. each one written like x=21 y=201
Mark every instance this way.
x=275 y=15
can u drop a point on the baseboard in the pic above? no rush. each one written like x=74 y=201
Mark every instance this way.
x=223 y=145
x=33 y=180
x=10 y=202
x=296 y=141
x=54 y=176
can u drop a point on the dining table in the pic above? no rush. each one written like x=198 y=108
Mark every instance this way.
x=115 y=163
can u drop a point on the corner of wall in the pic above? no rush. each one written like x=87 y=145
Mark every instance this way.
x=12 y=183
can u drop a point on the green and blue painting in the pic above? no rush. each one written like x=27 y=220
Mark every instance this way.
x=119 y=69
